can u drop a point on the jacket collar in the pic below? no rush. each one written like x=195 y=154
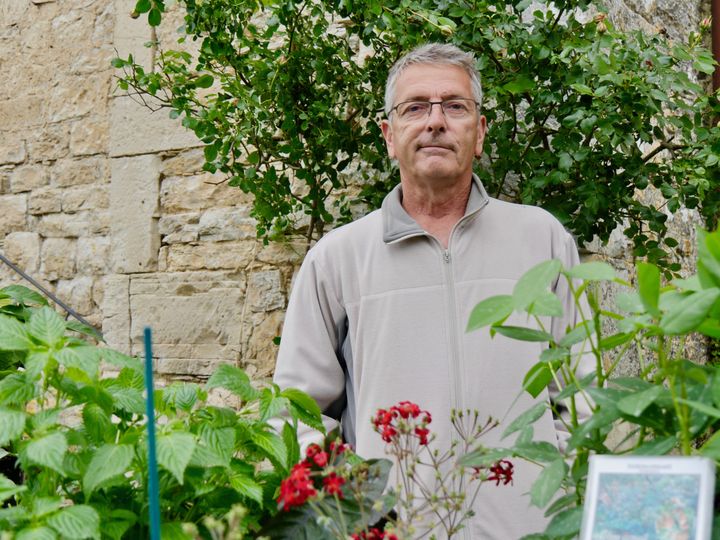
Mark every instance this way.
x=397 y=223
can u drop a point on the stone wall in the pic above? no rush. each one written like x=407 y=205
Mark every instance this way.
x=106 y=204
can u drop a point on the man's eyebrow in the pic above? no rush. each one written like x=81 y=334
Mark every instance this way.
x=424 y=97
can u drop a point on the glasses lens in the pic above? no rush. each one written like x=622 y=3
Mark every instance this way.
x=456 y=108
x=413 y=110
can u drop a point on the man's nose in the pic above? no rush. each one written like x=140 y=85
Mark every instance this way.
x=436 y=120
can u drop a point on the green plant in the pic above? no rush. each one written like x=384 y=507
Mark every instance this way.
x=672 y=405
x=579 y=112
x=80 y=440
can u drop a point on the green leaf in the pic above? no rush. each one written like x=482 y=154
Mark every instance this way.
x=566 y=523
x=547 y=483
x=174 y=531
x=204 y=81
x=98 y=424
x=79 y=521
x=23 y=295
x=48 y=451
x=234 y=379
x=143 y=6
x=154 y=17
x=120 y=360
x=244 y=483
x=523 y=334
x=13 y=336
x=174 y=452
x=519 y=85
x=108 y=462
x=541 y=451
x=291 y=443
x=649 y=287
x=304 y=408
x=534 y=282
x=272 y=445
x=525 y=419
x=547 y=304
x=701 y=407
x=12 y=425
x=85 y=358
x=537 y=379
x=491 y=310
x=116 y=523
x=47 y=326
x=592 y=271
x=711 y=447
x=36 y=533
x=635 y=404
x=577 y=334
x=687 y=314
x=656 y=447
x=8 y=488
x=484 y=457
x=16 y=390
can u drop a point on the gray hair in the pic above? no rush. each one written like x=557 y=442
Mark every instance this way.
x=433 y=53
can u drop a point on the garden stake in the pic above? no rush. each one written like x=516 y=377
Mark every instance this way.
x=153 y=493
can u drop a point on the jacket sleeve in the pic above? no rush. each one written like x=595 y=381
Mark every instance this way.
x=310 y=345
x=582 y=356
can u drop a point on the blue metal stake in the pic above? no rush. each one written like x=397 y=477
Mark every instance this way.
x=153 y=490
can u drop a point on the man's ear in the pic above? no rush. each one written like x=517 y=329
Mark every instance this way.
x=482 y=129
x=388 y=136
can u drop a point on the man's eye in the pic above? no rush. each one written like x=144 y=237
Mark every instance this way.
x=455 y=106
x=413 y=108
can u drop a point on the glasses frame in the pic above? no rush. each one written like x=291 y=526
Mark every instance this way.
x=432 y=103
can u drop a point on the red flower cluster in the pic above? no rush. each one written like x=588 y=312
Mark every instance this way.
x=297 y=488
x=502 y=471
x=374 y=534
x=385 y=422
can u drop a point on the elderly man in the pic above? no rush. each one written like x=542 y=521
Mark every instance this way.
x=378 y=310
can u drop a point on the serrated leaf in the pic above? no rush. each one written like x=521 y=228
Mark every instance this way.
x=291 y=443
x=23 y=295
x=108 y=462
x=491 y=310
x=36 y=362
x=97 y=423
x=77 y=326
x=174 y=451
x=13 y=335
x=78 y=521
x=272 y=445
x=547 y=483
x=120 y=360
x=244 y=483
x=304 y=408
x=48 y=451
x=12 y=425
x=234 y=379
x=83 y=358
x=525 y=419
x=182 y=395
x=271 y=404
x=16 y=390
x=534 y=282
x=117 y=522
x=128 y=399
x=36 y=533
x=46 y=325
x=8 y=488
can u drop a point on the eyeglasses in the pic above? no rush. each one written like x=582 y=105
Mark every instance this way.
x=418 y=109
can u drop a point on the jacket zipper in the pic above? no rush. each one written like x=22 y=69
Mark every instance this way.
x=457 y=397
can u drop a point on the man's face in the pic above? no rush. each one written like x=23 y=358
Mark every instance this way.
x=436 y=148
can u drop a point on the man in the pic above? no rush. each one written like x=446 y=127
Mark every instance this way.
x=379 y=308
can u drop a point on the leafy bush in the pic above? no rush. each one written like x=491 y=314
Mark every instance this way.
x=671 y=406
x=80 y=440
x=579 y=112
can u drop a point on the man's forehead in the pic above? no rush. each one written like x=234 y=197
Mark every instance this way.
x=424 y=80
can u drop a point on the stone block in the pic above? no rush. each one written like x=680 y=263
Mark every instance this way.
x=116 y=312
x=265 y=291
x=85 y=198
x=137 y=130
x=261 y=351
x=27 y=178
x=77 y=294
x=179 y=228
x=45 y=201
x=13 y=210
x=51 y=142
x=289 y=252
x=71 y=225
x=234 y=223
x=193 y=314
x=184 y=367
x=23 y=112
x=130 y=34
x=133 y=210
x=93 y=255
x=89 y=136
x=58 y=258
x=210 y=256
x=73 y=172
x=186 y=194
x=79 y=96
x=185 y=163
x=23 y=250
x=12 y=148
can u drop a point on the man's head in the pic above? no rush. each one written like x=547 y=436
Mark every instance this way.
x=434 y=127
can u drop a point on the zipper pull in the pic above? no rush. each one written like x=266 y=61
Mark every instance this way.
x=446 y=256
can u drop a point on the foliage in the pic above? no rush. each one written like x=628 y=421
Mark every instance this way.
x=579 y=112
x=80 y=440
x=671 y=406
x=335 y=494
